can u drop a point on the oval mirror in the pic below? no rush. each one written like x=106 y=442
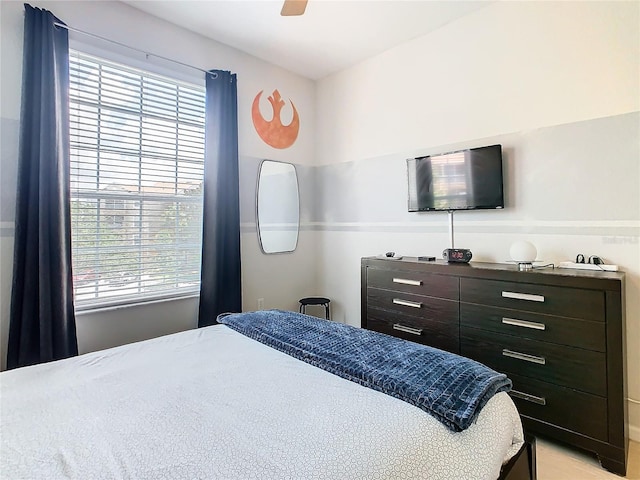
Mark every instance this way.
x=278 y=207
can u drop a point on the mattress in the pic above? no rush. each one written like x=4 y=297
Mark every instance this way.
x=213 y=404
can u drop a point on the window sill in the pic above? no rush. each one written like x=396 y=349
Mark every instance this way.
x=90 y=309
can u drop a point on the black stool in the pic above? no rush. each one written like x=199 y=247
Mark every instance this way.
x=315 y=301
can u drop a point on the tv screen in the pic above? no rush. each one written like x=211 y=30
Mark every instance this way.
x=463 y=180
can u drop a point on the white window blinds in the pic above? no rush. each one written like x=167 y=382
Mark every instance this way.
x=137 y=164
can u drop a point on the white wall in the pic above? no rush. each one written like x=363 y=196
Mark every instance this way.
x=124 y=24
x=555 y=82
x=508 y=67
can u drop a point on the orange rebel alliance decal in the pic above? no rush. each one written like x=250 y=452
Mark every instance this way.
x=274 y=133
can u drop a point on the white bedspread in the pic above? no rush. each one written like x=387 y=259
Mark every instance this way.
x=211 y=403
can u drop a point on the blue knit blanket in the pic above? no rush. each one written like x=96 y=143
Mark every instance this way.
x=451 y=388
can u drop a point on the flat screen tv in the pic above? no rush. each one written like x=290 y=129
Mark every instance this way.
x=462 y=180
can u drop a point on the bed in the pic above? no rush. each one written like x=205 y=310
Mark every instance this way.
x=215 y=403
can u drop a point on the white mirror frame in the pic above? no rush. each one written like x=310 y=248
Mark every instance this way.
x=277 y=207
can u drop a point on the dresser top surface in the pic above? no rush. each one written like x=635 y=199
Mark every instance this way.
x=504 y=271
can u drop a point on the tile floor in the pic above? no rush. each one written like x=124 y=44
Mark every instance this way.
x=557 y=462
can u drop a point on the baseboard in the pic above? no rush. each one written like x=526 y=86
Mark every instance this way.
x=634 y=433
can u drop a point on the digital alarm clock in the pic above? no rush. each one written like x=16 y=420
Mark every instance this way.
x=459 y=255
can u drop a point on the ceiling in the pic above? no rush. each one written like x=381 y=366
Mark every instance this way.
x=332 y=35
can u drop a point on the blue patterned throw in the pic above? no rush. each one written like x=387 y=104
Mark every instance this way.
x=451 y=388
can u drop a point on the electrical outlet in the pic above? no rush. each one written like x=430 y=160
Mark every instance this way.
x=261 y=304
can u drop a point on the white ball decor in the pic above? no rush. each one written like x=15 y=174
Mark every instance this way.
x=524 y=253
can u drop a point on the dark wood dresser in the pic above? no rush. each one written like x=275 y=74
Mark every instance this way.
x=557 y=333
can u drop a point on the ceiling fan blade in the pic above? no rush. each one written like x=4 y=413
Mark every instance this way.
x=293 y=7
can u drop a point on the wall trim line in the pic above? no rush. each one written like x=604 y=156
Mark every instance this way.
x=485 y=223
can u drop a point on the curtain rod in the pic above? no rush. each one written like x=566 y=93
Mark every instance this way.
x=62 y=25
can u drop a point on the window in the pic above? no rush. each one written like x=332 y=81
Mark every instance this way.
x=137 y=165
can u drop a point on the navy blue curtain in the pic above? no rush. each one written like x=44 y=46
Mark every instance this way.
x=42 y=323
x=221 y=284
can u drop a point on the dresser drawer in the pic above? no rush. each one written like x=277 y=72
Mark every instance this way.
x=577 y=411
x=419 y=306
x=585 y=334
x=561 y=301
x=571 y=367
x=442 y=335
x=419 y=283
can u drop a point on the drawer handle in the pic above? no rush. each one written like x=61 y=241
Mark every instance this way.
x=523 y=356
x=405 y=281
x=403 y=328
x=407 y=303
x=528 y=397
x=523 y=296
x=523 y=323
